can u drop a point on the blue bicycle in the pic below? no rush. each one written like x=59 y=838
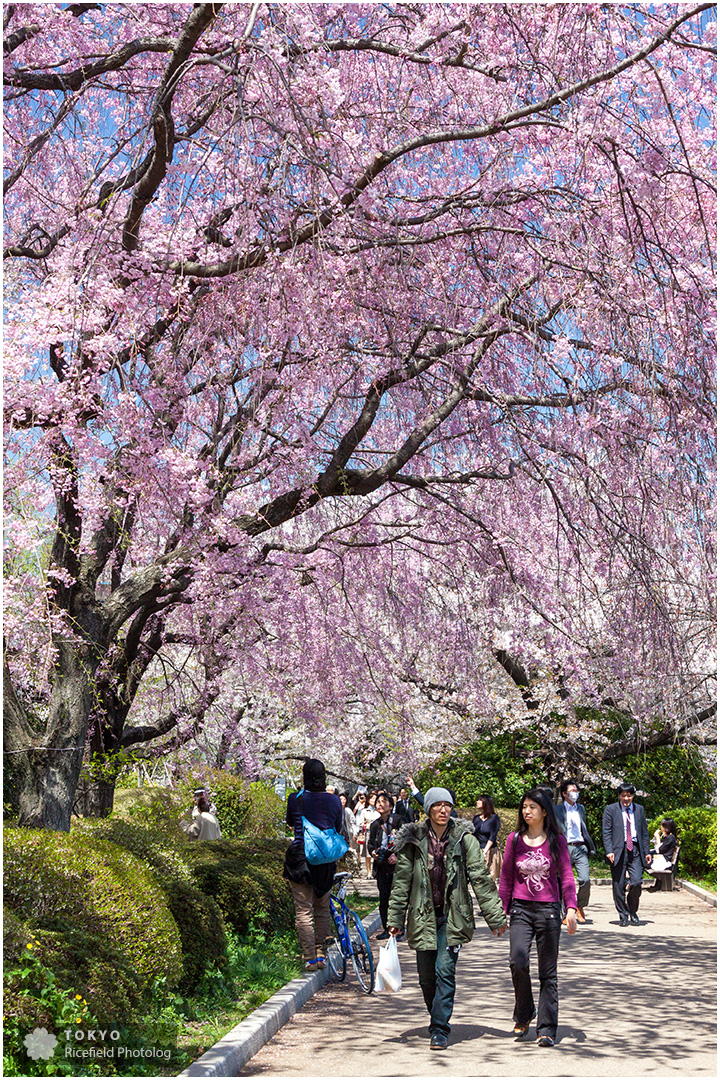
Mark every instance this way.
x=349 y=940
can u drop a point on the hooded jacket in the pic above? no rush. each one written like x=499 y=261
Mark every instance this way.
x=412 y=894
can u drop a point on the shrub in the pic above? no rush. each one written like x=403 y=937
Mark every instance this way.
x=487 y=766
x=153 y=805
x=264 y=812
x=97 y=887
x=697 y=833
x=669 y=775
x=159 y=842
x=65 y=956
x=245 y=878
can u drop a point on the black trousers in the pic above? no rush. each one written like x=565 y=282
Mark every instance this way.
x=384 y=880
x=629 y=867
x=540 y=920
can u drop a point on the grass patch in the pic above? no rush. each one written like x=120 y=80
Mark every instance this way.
x=599 y=868
x=363 y=905
x=705 y=882
x=259 y=964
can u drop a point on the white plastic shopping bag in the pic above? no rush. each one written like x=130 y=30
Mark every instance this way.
x=388 y=975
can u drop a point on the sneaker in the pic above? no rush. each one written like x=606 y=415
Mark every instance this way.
x=320 y=962
x=311 y=965
x=382 y=936
x=522 y=1029
x=546 y=1040
x=580 y=915
x=438 y=1041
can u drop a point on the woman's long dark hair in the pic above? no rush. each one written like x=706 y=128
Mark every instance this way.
x=488 y=807
x=669 y=825
x=537 y=795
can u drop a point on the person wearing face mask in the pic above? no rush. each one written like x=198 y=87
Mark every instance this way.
x=438 y=861
x=570 y=816
x=627 y=848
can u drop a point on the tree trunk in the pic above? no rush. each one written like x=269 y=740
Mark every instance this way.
x=95 y=798
x=53 y=767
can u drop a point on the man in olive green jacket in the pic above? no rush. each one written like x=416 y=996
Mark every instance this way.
x=437 y=860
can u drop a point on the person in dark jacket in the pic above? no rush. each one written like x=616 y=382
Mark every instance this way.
x=404 y=808
x=381 y=849
x=486 y=826
x=310 y=885
x=627 y=849
x=665 y=842
x=571 y=822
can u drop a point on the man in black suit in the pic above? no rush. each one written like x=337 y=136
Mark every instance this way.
x=570 y=816
x=627 y=849
x=404 y=808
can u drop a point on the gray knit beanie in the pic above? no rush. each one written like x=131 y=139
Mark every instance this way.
x=437 y=794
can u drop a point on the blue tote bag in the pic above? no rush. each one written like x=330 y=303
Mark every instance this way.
x=321 y=845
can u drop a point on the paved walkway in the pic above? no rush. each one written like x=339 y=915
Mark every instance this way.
x=633 y=1002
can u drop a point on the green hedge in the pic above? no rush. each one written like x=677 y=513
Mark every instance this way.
x=697 y=832
x=156 y=838
x=670 y=775
x=245 y=877
x=487 y=766
x=96 y=887
x=79 y=959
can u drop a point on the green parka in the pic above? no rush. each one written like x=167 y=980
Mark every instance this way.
x=412 y=892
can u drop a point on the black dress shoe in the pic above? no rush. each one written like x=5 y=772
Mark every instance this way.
x=438 y=1042
x=624 y=921
x=382 y=936
x=634 y=919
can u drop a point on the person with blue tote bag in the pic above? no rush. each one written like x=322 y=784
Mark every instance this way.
x=316 y=818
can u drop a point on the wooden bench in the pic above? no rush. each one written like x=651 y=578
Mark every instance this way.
x=665 y=879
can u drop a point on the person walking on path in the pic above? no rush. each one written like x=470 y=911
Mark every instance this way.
x=381 y=848
x=437 y=859
x=486 y=826
x=404 y=808
x=536 y=878
x=310 y=885
x=363 y=819
x=571 y=821
x=627 y=847
x=420 y=798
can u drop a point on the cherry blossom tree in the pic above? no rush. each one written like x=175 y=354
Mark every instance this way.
x=423 y=292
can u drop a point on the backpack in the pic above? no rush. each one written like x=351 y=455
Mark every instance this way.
x=321 y=845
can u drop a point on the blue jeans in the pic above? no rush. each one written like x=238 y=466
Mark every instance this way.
x=581 y=865
x=436 y=972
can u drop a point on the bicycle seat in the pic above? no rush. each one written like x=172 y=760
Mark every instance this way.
x=339 y=877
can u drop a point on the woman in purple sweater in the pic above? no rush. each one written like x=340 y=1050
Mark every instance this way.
x=535 y=869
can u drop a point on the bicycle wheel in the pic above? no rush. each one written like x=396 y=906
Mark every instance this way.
x=362 y=956
x=334 y=952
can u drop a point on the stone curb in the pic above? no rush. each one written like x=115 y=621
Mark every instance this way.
x=697 y=890
x=235 y=1049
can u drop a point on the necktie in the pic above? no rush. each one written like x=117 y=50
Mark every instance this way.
x=628 y=834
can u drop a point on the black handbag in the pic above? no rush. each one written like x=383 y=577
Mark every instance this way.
x=296 y=867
